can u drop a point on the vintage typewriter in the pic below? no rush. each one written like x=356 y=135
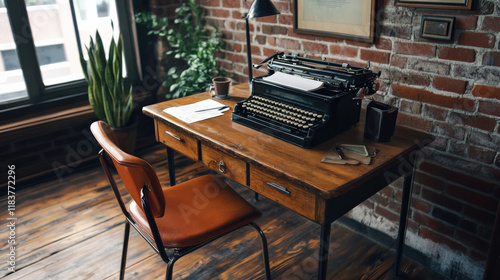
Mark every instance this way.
x=305 y=117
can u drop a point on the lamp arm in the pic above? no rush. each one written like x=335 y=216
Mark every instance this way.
x=249 y=54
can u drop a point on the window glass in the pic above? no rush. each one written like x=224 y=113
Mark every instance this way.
x=92 y=15
x=12 y=84
x=55 y=40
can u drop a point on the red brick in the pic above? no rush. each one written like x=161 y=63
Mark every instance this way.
x=231 y=4
x=483 y=40
x=415 y=122
x=482 y=155
x=457 y=148
x=380 y=200
x=472 y=241
x=436 y=183
x=220 y=13
x=441 y=199
x=316 y=48
x=430 y=222
x=344 y=50
x=426 y=96
x=442 y=239
x=481 y=122
x=486 y=91
x=410 y=107
x=268 y=19
x=491 y=23
x=420 y=205
x=458 y=54
x=449 y=130
x=288 y=44
x=446 y=216
x=283 y=7
x=491 y=58
x=238 y=15
x=391 y=216
x=383 y=44
x=457 y=177
x=286 y=20
x=375 y=56
x=489 y=108
x=274 y=30
x=447 y=84
x=479 y=215
x=465 y=22
x=210 y=3
x=435 y=113
x=414 y=49
x=483 y=201
x=398 y=61
x=410 y=78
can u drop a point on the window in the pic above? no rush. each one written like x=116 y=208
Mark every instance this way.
x=39 y=53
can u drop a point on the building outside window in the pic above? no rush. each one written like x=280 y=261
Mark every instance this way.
x=60 y=30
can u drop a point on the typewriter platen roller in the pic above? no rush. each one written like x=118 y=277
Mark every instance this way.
x=305 y=118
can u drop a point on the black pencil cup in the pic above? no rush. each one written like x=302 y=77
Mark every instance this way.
x=380 y=121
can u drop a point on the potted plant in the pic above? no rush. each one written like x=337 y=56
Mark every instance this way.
x=107 y=97
x=192 y=47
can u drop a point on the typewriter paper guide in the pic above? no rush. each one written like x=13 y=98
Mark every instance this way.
x=294 y=81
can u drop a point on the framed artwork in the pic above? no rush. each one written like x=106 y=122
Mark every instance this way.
x=436 y=27
x=441 y=4
x=345 y=19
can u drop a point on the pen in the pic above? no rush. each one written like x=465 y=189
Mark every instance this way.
x=339 y=152
x=218 y=108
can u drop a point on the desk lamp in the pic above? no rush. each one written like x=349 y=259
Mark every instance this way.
x=259 y=8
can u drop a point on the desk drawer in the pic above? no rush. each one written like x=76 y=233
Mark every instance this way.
x=231 y=168
x=178 y=141
x=284 y=193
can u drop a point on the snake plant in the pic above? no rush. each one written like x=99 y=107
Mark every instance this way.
x=107 y=96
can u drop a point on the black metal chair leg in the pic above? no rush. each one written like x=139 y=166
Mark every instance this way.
x=265 y=253
x=124 y=250
x=170 y=269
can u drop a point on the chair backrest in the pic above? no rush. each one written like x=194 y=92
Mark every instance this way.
x=133 y=171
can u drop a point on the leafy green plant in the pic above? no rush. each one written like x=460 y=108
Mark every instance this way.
x=192 y=45
x=107 y=96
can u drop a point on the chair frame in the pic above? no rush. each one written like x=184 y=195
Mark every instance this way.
x=168 y=255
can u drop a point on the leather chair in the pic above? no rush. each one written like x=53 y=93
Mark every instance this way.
x=175 y=220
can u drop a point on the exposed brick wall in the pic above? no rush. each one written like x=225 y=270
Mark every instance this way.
x=450 y=89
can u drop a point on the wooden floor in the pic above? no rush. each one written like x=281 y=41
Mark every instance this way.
x=74 y=230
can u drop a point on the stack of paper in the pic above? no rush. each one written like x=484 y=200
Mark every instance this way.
x=294 y=81
x=198 y=111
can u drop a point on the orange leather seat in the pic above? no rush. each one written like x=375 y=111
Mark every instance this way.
x=175 y=220
x=196 y=211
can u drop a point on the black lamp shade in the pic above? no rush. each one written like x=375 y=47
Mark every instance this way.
x=262 y=8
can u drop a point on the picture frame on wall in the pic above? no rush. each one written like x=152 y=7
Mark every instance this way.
x=441 y=4
x=353 y=19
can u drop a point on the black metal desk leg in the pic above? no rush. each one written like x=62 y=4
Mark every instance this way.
x=171 y=165
x=403 y=220
x=324 y=245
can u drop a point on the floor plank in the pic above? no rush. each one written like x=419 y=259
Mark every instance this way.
x=74 y=230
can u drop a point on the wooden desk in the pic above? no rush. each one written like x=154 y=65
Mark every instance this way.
x=287 y=174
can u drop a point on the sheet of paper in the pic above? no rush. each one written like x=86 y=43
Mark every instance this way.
x=198 y=111
x=293 y=81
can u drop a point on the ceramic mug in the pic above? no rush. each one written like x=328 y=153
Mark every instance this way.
x=220 y=87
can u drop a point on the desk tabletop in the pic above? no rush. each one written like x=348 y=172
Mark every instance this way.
x=301 y=166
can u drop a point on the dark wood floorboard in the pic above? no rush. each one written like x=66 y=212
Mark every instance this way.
x=74 y=230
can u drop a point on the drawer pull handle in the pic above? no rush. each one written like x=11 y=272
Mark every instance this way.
x=279 y=188
x=174 y=136
x=222 y=167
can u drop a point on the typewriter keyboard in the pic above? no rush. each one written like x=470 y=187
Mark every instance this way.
x=287 y=116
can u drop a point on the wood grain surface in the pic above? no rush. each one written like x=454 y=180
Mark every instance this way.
x=73 y=229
